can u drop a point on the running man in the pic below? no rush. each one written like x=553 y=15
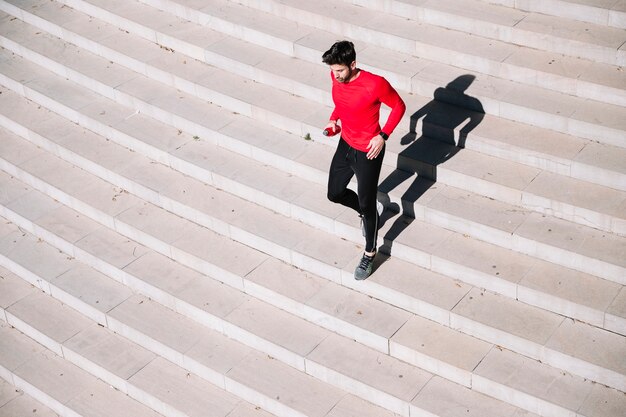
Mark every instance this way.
x=357 y=95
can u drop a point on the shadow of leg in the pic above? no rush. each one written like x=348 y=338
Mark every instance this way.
x=407 y=216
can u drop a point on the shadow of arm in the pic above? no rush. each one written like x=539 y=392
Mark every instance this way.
x=412 y=135
x=475 y=120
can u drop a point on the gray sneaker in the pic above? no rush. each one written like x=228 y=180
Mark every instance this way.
x=365 y=267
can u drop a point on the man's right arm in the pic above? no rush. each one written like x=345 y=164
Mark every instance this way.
x=332 y=122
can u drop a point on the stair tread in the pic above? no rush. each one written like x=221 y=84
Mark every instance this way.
x=481 y=13
x=609 y=13
x=504 y=368
x=188 y=393
x=541 y=26
x=49 y=267
x=64 y=383
x=169 y=328
x=433 y=399
x=478 y=131
x=195 y=106
x=162 y=176
x=276 y=379
x=199 y=200
x=584 y=117
x=476 y=10
x=37 y=309
x=546 y=230
x=573 y=30
x=365 y=366
x=126 y=251
x=428 y=338
x=15 y=402
x=13 y=288
x=133 y=364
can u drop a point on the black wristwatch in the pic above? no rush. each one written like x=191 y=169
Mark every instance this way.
x=384 y=135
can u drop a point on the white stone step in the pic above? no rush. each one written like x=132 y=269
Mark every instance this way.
x=159 y=239
x=14 y=402
x=141 y=319
x=550 y=70
x=182 y=248
x=137 y=312
x=602 y=12
x=89 y=154
x=587 y=154
x=603 y=262
x=577 y=159
x=126 y=367
x=517 y=184
x=572 y=216
x=213 y=356
x=463 y=171
x=58 y=384
x=562 y=35
x=584 y=118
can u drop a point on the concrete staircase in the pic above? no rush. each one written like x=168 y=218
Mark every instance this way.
x=166 y=247
x=14 y=402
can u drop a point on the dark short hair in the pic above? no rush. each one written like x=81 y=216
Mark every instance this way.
x=341 y=53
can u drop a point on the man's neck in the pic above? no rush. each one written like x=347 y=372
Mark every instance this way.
x=356 y=74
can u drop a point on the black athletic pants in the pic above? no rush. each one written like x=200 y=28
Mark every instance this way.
x=346 y=163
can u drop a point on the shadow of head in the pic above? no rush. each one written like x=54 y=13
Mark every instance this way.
x=449 y=117
x=454 y=93
x=462 y=83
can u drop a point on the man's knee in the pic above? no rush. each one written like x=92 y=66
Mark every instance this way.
x=368 y=205
x=334 y=195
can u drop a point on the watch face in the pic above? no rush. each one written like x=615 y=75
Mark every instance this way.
x=384 y=135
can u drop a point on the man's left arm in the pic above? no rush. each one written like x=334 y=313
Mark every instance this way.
x=390 y=97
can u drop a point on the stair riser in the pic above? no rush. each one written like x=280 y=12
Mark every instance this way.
x=312 y=368
x=204 y=318
x=338 y=273
x=566 y=212
x=420 y=258
x=118 y=383
x=570 y=10
x=146 y=342
x=530 y=403
x=585 y=264
x=561 y=210
x=457 y=322
x=429 y=364
x=391 y=403
x=575 y=261
x=508 y=34
x=495 y=107
x=305 y=365
x=42 y=397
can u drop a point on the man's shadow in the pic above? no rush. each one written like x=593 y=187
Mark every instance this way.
x=446 y=122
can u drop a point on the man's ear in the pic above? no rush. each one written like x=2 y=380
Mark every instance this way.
x=353 y=65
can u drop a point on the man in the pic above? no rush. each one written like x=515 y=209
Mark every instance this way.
x=357 y=95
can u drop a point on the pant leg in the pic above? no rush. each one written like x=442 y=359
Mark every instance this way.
x=367 y=174
x=340 y=173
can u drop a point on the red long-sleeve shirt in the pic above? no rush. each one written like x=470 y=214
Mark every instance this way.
x=357 y=105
